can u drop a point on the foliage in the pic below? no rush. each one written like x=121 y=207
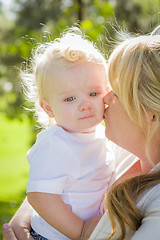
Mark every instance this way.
x=137 y=15
x=14 y=167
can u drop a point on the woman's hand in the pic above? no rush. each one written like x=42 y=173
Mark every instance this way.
x=8 y=234
x=89 y=226
x=19 y=226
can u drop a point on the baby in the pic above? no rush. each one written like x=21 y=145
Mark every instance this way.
x=70 y=166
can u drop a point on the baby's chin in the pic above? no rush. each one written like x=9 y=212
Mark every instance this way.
x=84 y=126
x=85 y=130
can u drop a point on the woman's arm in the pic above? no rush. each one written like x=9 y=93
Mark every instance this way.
x=19 y=224
x=54 y=211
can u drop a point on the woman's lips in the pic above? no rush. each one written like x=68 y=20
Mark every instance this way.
x=104 y=115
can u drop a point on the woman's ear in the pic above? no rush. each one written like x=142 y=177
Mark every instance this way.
x=45 y=106
x=153 y=118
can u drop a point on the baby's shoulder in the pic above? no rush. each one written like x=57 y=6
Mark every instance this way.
x=52 y=133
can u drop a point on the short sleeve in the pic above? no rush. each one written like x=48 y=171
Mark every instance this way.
x=51 y=169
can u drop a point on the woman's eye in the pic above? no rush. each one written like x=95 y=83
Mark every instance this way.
x=69 y=99
x=93 y=94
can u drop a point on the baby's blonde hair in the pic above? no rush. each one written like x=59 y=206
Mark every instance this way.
x=70 y=49
x=134 y=75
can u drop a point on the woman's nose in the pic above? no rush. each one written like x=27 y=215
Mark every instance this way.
x=85 y=105
x=109 y=98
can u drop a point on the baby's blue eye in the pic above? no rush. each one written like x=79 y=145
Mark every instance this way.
x=69 y=99
x=93 y=94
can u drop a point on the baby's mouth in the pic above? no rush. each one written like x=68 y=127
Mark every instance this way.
x=90 y=116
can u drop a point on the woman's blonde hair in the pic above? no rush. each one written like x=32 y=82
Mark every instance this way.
x=133 y=73
x=134 y=76
x=71 y=49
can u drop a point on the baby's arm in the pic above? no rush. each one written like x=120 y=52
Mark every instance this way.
x=89 y=226
x=54 y=211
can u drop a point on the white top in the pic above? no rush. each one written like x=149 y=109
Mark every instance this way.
x=149 y=202
x=76 y=166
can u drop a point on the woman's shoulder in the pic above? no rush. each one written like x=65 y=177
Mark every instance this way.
x=154 y=192
x=150 y=200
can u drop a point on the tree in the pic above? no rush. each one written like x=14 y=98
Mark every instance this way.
x=136 y=15
x=42 y=20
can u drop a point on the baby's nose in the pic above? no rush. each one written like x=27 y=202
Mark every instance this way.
x=84 y=105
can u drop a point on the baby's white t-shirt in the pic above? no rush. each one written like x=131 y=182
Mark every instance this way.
x=76 y=166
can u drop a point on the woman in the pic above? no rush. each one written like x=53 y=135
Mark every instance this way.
x=133 y=206
x=132 y=118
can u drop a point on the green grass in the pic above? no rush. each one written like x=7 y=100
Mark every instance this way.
x=14 y=144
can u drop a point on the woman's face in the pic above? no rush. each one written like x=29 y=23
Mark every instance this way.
x=120 y=128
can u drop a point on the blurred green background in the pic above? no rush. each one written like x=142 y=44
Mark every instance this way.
x=23 y=24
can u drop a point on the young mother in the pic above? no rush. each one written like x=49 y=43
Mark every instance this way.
x=132 y=119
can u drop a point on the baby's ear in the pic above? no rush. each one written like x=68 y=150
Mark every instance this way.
x=44 y=104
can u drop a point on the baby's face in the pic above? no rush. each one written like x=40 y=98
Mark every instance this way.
x=76 y=97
